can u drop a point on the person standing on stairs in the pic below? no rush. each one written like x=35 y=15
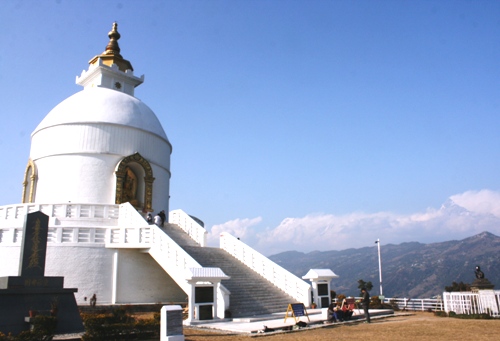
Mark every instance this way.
x=157 y=220
x=163 y=217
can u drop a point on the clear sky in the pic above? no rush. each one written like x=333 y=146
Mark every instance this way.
x=295 y=125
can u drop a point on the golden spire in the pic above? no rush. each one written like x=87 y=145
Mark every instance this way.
x=112 y=53
x=112 y=47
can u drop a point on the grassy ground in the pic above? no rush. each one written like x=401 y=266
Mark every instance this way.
x=418 y=326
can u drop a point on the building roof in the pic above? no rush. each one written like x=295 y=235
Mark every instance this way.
x=205 y=274
x=320 y=274
x=102 y=105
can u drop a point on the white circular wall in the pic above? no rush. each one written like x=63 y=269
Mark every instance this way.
x=78 y=145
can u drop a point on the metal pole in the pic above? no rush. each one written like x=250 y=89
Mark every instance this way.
x=379 y=266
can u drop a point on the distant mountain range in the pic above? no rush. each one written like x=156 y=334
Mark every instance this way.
x=412 y=270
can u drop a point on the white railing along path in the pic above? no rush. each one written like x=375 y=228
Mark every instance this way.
x=281 y=278
x=189 y=225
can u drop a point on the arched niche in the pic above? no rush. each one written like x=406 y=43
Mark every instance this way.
x=134 y=182
x=29 y=183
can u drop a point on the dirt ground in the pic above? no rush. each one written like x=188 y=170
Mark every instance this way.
x=418 y=326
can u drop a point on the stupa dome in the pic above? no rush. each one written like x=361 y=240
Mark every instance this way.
x=102 y=105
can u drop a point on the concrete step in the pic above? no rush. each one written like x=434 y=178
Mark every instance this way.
x=178 y=235
x=251 y=294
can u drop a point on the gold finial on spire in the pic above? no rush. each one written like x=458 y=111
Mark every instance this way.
x=112 y=53
x=112 y=47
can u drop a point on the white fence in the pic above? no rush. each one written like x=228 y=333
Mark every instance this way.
x=482 y=302
x=68 y=223
x=416 y=304
x=281 y=278
x=14 y=215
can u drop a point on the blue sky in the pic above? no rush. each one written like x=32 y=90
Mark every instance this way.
x=295 y=125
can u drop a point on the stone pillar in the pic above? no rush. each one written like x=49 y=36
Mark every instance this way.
x=481 y=284
x=171 y=323
x=191 y=307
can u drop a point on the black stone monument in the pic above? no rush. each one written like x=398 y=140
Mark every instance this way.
x=32 y=292
x=481 y=282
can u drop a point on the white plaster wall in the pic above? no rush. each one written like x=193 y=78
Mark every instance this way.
x=74 y=178
x=141 y=279
x=9 y=264
x=161 y=188
x=87 y=268
x=77 y=162
x=99 y=138
x=90 y=269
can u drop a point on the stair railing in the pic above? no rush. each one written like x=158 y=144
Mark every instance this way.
x=189 y=225
x=134 y=232
x=281 y=278
x=172 y=258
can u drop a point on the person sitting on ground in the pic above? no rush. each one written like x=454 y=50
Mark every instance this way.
x=347 y=311
x=331 y=313
x=338 y=313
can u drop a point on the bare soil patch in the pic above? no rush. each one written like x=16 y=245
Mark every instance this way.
x=417 y=326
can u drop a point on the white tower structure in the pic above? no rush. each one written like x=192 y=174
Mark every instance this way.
x=98 y=161
x=101 y=145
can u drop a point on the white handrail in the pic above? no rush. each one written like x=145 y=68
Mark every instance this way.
x=281 y=278
x=13 y=215
x=172 y=258
x=189 y=225
x=129 y=216
x=134 y=232
x=167 y=253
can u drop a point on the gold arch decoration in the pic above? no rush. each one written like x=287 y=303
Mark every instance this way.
x=121 y=175
x=30 y=177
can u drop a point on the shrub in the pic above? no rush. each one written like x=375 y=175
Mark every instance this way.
x=119 y=325
x=394 y=305
x=157 y=317
x=441 y=313
x=471 y=316
x=457 y=287
x=44 y=328
x=375 y=302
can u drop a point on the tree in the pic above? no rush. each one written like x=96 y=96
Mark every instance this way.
x=458 y=287
x=362 y=284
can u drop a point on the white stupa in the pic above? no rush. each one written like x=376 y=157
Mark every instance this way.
x=99 y=162
x=102 y=145
x=97 y=149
